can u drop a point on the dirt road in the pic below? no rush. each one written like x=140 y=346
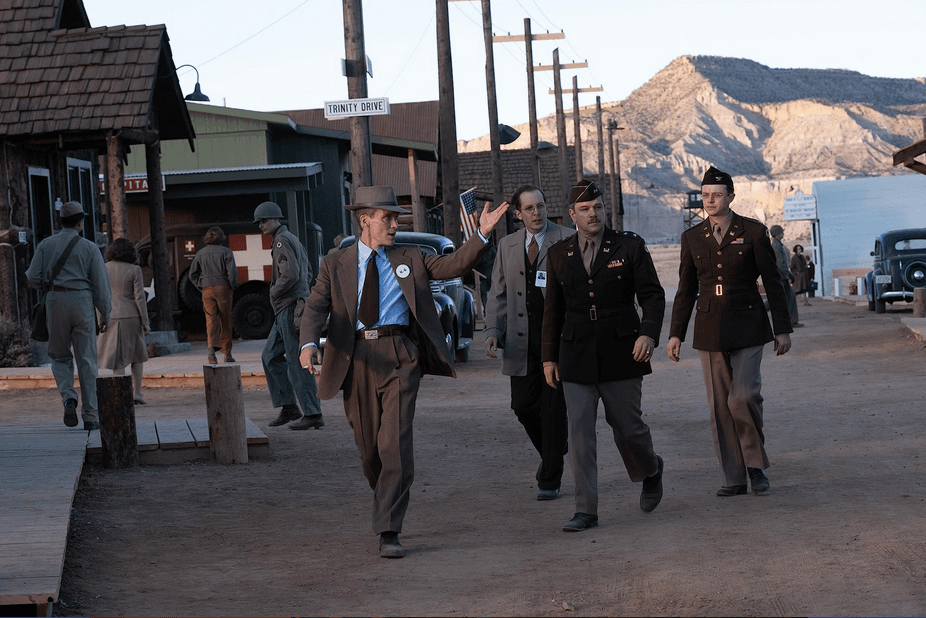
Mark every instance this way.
x=840 y=533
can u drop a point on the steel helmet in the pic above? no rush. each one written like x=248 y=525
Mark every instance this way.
x=267 y=210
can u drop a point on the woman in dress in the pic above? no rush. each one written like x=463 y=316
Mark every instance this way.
x=123 y=343
x=799 y=272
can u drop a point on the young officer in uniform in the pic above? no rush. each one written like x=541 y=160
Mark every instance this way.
x=287 y=380
x=514 y=320
x=383 y=335
x=722 y=258
x=596 y=344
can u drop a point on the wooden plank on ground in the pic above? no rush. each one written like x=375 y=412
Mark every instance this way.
x=255 y=435
x=146 y=434
x=174 y=434
x=40 y=467
x=200 y=429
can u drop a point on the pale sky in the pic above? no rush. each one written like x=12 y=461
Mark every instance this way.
x=286 y=54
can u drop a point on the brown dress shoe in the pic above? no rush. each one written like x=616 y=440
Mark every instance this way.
x=309 y=422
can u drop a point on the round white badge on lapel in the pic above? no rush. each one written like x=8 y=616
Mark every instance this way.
x=403 y=270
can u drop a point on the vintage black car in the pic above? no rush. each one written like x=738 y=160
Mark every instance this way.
x=899 y=268
x=454 y=303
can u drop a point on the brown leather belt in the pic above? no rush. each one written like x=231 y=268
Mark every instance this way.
x=382 y=331
x=58 y=288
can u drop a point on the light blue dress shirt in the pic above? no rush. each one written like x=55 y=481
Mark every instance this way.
x=393 y=308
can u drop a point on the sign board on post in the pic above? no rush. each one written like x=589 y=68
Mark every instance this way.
x=348 y=108
x=800 y=207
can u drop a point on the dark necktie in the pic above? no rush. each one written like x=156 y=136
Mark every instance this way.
x=369 y=300
x=588 y=255
x=532 y=250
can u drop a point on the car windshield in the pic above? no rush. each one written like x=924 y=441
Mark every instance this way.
x=910 y=244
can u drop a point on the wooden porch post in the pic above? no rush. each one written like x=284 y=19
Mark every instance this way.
x=419 y=216
x=160 y=265
x=115 y=187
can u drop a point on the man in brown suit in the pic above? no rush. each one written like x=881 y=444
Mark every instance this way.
x=597 y=345
x=383 y=335
x=721 y=259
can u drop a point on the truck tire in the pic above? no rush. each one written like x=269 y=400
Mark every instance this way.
x=192 y=298
x=252 y=316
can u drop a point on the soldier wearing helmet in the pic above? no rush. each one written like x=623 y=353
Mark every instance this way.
x=290 y=384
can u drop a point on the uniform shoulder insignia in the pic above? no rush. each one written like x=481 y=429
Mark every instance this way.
x=279 y=244
x=751 y=220
x=561 y=241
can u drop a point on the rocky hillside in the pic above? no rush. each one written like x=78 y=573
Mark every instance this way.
x=775 y=130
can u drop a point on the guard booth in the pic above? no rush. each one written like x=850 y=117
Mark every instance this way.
x=694 y=209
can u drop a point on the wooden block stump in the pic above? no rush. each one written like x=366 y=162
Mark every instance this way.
x=919 y=303
x=228 y=435
x=117 y=422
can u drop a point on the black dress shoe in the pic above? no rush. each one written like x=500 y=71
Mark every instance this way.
x=652 y=490
x=580 y=521
x=731 y=490
x=70 y=413
x=547 y=494
x=389 y=546
x=288 y=413
x=91 y=425
x=309 y=422
x=759 y=480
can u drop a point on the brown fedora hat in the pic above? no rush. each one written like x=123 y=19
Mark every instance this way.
x=382 y=198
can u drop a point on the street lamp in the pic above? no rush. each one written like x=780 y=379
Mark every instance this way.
x=507 y=134
x=197 y=94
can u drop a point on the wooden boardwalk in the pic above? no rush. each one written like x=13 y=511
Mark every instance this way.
x=40 y=467
x=39 y=470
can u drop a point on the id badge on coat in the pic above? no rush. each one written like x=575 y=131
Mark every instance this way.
x=541 y=280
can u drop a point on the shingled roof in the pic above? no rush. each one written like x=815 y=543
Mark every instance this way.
x=60 y=76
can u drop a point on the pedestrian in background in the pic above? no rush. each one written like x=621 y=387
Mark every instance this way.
x=811 y=280
x=75 y=295
x=721 y=259
x=290 y=384
x=799 y=272
x=123 y=343
x=215 y=274
x=514 y=321
x=784 y=267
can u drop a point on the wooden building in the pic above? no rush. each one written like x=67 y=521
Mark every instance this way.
x=269 y=149
x=73 y=101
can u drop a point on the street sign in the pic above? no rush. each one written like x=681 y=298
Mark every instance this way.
x=348 y=108
x=800 y=207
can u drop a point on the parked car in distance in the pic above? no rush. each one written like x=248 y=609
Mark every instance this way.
x=899 y=268
x=454 y=303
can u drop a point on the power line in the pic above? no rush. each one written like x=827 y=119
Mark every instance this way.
x=255 y=34
x=412 y=55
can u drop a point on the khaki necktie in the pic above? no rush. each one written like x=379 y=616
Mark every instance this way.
x=718 y=234
x=532 y=250
x=369 y=299
x=588 y=255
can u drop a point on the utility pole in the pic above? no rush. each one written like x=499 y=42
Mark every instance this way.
x=600 y=127
x=498 y=184
x=560 y=122
x=355 y=65
x=528 y=39
x=617 y=202
x=577 y=126
x=450 y=177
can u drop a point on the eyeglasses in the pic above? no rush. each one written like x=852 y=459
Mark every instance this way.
x=717 y=196
x=534 y=209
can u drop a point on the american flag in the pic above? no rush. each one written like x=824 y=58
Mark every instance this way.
x=469 y=216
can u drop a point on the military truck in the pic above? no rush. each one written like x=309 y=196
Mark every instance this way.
x=252 y=315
